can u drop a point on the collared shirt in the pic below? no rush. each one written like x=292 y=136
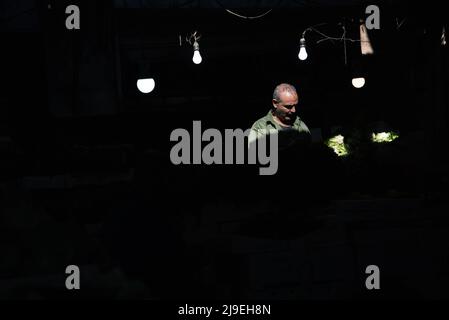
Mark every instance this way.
x=267 y=123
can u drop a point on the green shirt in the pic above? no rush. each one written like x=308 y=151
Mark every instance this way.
x=267 y=123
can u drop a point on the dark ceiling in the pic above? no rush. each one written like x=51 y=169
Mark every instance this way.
x=93 y=72
x=24 y=15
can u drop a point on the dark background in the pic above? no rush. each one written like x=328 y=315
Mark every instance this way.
x=86 y=178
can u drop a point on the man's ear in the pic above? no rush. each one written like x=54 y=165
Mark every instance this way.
x=274 y=104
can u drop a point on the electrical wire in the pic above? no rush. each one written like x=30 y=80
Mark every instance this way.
x=247 y=17
x=327 y=37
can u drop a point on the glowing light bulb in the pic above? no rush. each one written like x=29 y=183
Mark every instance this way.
x=197 y=57
x=302 y=51
x=302 y=54
x=358 y=82
x=146 y=85
x=196 y=53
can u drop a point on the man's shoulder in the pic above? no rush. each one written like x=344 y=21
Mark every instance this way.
x=260 y=123
x=301 y=126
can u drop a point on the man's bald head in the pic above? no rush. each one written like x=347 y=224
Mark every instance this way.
x=285 y=99
x=283 y=87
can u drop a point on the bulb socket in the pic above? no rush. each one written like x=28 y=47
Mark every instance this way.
x=196 y=46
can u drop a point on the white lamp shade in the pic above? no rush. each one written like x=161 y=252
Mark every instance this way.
x=358 y=82
x=146 y=85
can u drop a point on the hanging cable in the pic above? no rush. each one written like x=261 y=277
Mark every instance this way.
x=246 y=17
x=327 y=37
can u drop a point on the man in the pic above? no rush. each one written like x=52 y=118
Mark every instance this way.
x=282 y=118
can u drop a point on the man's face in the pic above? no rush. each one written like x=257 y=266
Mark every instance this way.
x=285 y=109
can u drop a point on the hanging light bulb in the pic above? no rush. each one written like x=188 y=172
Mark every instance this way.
x=144 y=74
x=146 y=85
x=357 y=71
x=302 y=50
x=358 y=82
x=196 y=53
